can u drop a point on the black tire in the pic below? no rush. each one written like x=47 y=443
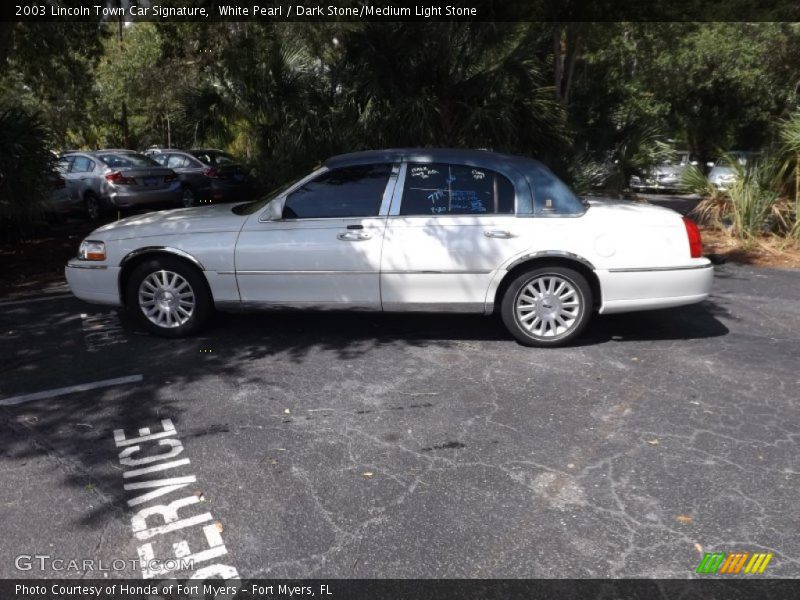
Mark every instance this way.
x=94 y=208
x=188 y=197
x=138 y=295
x=534 y=322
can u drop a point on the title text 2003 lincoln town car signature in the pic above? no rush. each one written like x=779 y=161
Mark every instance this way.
x=402 y=230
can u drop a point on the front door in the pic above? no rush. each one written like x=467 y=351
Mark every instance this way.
x=325 y=250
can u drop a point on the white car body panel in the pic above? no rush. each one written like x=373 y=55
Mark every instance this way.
x=311 y=262
x=639 y=254
x=453 y=259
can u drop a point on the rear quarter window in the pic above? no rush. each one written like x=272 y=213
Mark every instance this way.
x=551 y=196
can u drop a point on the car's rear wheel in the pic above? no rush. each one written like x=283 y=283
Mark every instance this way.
x=93 y=208
x=188 y=197
x=168 y=297
x=547 y=306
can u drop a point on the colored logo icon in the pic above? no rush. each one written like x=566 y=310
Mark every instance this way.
x=734 y=563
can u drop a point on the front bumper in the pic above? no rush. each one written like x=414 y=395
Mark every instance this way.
x=92 y=282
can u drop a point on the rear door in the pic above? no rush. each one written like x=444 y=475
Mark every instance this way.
x=83 y=176
x=325 y=250
x=63 y=167
x=190 y=170
x=450 y=227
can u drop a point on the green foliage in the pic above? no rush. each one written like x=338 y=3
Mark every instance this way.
x=753 y=200
x=710 y=85
x=596 y=101
x=285 y=98
x=790 y=140
x=49 y=70
x=693 y=181
x=25 y=162
x=752 y=205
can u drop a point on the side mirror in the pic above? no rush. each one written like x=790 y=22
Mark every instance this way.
x=274 y=210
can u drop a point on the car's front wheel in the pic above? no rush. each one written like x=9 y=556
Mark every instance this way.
x=547 y=306
x=168 y=297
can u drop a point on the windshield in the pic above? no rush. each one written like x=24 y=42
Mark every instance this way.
x=116 y=161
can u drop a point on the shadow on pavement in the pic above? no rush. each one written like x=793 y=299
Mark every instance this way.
x=76 y=430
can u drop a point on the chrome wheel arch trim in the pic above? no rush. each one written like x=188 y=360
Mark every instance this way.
x=161 y=249
x=550 y=254
x=503 y=271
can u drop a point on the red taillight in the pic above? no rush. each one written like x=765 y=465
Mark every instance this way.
x=118 y=178
x=695 y=241
x=210 y=172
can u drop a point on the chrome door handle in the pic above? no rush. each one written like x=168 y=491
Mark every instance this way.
x=496 y=233
x=354 y=236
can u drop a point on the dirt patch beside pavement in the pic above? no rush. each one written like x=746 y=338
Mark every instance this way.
x=767 y=251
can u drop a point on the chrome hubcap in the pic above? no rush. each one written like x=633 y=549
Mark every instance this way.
x=548 y=306
x=166 y=299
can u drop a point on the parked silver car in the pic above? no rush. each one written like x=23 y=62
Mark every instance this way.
x=109 y=179
x=666 y=176
x=724 y=171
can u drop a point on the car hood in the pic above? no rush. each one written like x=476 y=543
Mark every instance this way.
x=201 y=219
x=628 y=210
x=669 y=169
x=721 y=172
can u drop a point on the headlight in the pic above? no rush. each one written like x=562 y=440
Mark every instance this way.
x=92 y=250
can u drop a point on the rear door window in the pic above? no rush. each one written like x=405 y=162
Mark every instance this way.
x=177 y=161
x=82 y=164
x=433 y=189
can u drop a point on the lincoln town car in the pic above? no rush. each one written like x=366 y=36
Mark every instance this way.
x=466 y=231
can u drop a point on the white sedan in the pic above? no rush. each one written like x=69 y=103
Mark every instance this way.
x=402 y=230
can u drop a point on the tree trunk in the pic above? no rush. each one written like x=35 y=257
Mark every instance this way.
x=558 y=61
x=566 y=45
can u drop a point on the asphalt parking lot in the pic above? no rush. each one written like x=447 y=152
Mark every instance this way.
x=330 y=445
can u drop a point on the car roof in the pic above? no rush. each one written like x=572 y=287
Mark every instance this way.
x=114 y=150
x=482 y=158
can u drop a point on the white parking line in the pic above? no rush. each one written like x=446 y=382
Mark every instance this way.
x=81 y=387
x=36 y=299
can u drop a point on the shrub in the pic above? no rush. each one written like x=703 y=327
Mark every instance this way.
x=25 y=162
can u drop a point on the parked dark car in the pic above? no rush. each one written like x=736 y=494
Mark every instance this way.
x=207 y=175
x=230 y=181
x=107 y=179
x=195 y=181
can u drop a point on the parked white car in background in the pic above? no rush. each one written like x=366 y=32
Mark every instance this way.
x=402 y=230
